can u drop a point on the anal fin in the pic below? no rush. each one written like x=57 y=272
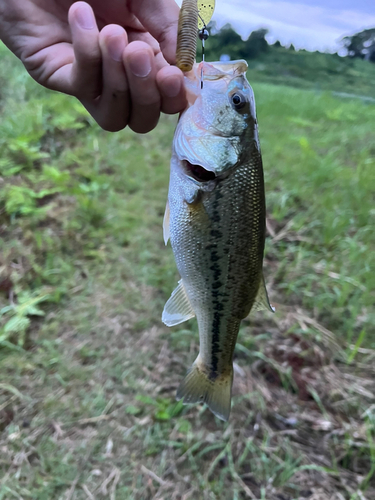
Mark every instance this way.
x=262 y=301
x=178 y=308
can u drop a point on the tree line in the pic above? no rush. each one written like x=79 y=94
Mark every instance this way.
x=228 y=41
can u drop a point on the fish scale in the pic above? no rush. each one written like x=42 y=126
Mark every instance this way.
x=217 y=230
x=229 y=246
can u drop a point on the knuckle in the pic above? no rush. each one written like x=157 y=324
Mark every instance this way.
x=86 y=91
x=172 y=105
x=112 y=120
x=90 y=59
x=171 y=108
x=110 y=110
x=119 y=95
x=112 y=128
x=111 y=125
x=143 y=126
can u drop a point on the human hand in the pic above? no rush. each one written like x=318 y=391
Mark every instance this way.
x=120 y=73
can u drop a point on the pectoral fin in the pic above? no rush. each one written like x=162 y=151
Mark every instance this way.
x=166 y=232
x=178 y=308
x=261 y=300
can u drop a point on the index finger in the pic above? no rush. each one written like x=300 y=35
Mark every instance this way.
x=160 y=18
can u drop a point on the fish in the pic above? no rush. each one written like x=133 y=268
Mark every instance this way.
x=215 y=220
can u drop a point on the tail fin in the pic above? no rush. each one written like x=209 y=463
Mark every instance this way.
x=197 y=387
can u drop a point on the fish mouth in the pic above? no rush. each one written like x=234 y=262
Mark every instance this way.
x=198 y=173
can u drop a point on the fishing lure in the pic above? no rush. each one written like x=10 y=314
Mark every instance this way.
x=193 y=16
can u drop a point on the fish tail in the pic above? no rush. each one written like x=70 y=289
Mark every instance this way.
x=199 y=387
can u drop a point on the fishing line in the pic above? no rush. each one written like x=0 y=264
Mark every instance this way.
x=203 y=35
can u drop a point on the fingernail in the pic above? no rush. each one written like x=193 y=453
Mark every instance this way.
x=85 y=17
x=116 y=46
x=140 y=64
x=172 y=87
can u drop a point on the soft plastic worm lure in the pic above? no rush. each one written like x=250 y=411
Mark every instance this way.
x=193 y=15
x=187 y=35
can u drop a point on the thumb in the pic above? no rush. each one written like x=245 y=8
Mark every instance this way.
x=160 y=18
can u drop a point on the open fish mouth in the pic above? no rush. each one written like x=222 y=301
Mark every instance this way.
x=197 y=172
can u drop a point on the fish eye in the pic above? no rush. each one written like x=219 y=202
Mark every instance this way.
x=238 y=101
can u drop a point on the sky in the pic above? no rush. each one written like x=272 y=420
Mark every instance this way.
x=308 y=24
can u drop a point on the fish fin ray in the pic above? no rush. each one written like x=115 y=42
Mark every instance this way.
x=166 y=231
x=178 y=308
x=198 y=388
x=262 y=301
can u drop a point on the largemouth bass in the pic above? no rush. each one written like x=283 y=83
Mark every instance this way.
x=215 y=219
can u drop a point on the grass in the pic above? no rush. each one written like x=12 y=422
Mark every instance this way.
x=88 y=372
x=314 y=70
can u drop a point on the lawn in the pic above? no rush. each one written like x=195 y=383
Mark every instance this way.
x=88 y=372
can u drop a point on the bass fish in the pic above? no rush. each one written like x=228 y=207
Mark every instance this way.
x=215 y=219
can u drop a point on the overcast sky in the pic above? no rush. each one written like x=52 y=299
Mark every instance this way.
x=309 y=24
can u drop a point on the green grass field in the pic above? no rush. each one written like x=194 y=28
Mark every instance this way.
x=315 y=70
x=88 y=372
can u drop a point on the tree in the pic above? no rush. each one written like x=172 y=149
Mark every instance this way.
x=228 y=37
x=361 y=44
x=228 y=41
x=256 y=44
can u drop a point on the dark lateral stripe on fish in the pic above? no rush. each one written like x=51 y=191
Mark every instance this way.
x=217 y=305
x=216 y=270
x=215 y=348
